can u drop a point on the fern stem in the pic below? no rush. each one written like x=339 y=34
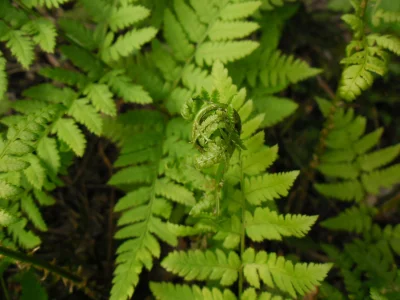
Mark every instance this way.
x=242 y=233
x=37 y=263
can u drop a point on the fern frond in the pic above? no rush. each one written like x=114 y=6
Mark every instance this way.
x=44 y=33
x=388 y=42
x=32 y=211
x=345 y=191
x=275 y=109
x=68 y=132
x=268 y=187
x=354 y=219
x=123 y=87
x=198 y=265
x=381 y=178
x=8 y=190
x=340 y=170
x=230 y=30
x=224 y=52
x=77 y=32
x=102 y=98
x=129 y=42
x=267 y=224
x=84 y=60
x=379 y=158
x=275 y=271
x=169 y=291
x=21 y=47
x=280 y=70
x=85 y=114
x=6 y=218
x=65 y=76
x=385 y=17
x=145 y=205
x=191 y=23
x=234 y=11
x=126 y=16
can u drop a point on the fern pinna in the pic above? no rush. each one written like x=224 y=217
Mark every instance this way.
x=154 y=179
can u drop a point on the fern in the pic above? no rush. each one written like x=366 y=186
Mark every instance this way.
x=366 y=56
x=267 y=70
x=197 y=33
x=347 y=157
x=249 y=187
x=144 y=160
x=382 y=16
x=20 y=33
x=18 y=164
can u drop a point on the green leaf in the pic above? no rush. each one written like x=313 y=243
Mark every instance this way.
x=234 y=11
x=225 y=52
x=102 y=98
x=229 y=30
x=198 y=265
x=48 y=153
x=174 y=192
x=275 y=109
x=169 y=291
x=379 y=158
x=341 y=170
x=345 y=191
x=68 y=132
x=127 y=15
x=123 y=87
x=276 y=272
x=32 y=211
x=6 y=217
x=176 y=37
x=383 y=178
x=77 y=32
x=268 y=187
x=21 y=47
x=189 y=20
x=35 y=173
x=9 y=163
x=353 y=219
x=85 y=114
x=44 y=33
x=267 y=224
x=7 y=190
x=133 y=40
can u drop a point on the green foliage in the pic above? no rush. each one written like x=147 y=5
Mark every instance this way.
x=352 y=169
x=249 y=186
x=194 y=172
x=366 y=55
x=196 y=34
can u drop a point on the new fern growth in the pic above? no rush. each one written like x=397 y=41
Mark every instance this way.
x=247 y=212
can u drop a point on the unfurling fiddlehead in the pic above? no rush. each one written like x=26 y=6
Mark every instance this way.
x=215 y=133
x=216 y=129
